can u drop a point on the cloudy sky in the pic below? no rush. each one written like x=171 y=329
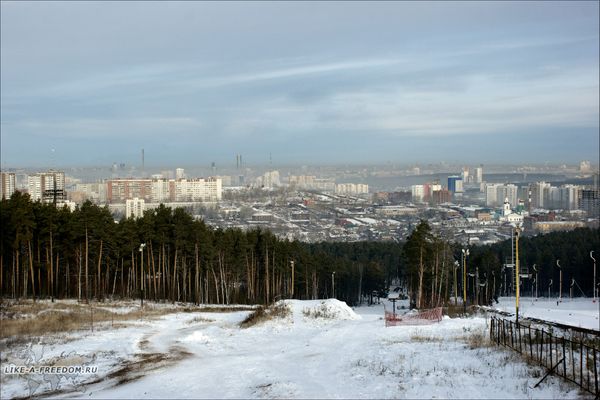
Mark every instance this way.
x=194 y=82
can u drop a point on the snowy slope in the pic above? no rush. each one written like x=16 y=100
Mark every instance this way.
x=346 y=354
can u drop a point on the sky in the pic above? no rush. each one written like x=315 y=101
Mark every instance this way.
x=92 y=83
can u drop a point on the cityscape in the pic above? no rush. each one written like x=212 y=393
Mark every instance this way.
x=470 y=204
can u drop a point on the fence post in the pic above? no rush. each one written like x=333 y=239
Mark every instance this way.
x=581 y=363
x=519 y=337
x=573 y=363
x=564 y=358
x=587 y=366
x=596 y=372
x=530 y=344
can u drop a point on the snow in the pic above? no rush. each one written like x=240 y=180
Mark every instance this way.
x=322 y=349
x=579 y=312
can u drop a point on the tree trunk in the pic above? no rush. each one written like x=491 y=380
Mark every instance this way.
x=31 y=269
x=267 y=297
x=51 y=268
x=174 y=276
x=99 y=277
x=197 y=278
x=151 y=251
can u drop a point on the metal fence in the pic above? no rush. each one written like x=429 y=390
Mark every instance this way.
x=575 y=360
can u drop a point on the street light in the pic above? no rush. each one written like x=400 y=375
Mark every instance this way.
x=292 y=262
x=595 y=289
x=333 y=284
x=465 y=253
x=559 y=281
x=142 y=276
x=456 y=265
x=536 y=280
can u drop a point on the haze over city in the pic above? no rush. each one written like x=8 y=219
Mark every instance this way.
x=91 y=83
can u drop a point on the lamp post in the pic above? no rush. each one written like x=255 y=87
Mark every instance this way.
x=465 y=253
x=536 y=280
x=456 y=265
x=292 y=291
x=477 y=285
x=595 y=289
x=142 y=275
x=333 y=284
x=559 y=281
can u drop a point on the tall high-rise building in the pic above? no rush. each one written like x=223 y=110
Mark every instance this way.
x=479 y=174
x=590 y=202
x=491 y=194
x=47 y=186
x=8 y=184
x=465 y=175
x=455 y=184
x=179 y=173
x=540 y=194
x=418 y=193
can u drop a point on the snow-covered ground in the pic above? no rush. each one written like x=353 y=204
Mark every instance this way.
x=579 y=312
x=322 y=349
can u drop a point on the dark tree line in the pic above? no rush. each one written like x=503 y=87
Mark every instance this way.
x=50 y=252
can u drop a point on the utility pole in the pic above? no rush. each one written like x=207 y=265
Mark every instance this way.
x=560 y=281
x=456 y=265
x=142 y=275
x=292 y=289
x=333 y=284
x=536 y=280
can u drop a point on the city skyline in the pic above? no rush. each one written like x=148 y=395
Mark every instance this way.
x=192 y=83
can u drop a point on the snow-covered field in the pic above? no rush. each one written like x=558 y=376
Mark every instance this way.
x=579 y=312
x=321 y=349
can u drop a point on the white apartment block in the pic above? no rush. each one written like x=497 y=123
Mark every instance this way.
x=179 y=173
x=134 y=208
x=161 y=190
x=491 y=194
x=540 y=194
x=302 y=181
x=418 y=192
x=479 y=175
x=497 y=193
x=42 y=183
x=570 y=195
x=8 y=184
x=269 y=180
x=199 y=189
x=164 y=191
x=351 y=188
x=95 y=192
